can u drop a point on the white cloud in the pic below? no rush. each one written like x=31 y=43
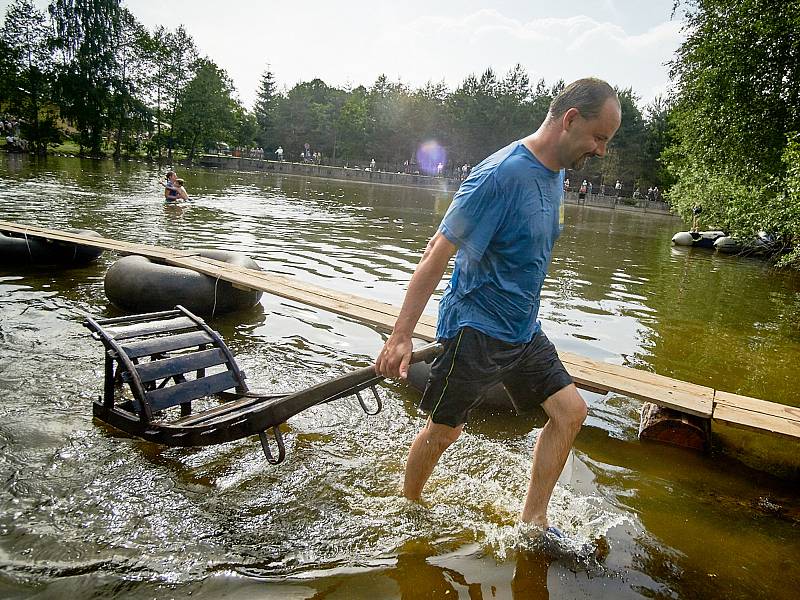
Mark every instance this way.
x=551 y=48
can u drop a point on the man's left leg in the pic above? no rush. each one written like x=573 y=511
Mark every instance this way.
x=566 y=411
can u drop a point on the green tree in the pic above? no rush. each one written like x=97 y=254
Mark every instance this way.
x=8 y=73
x=486 y=113
x=309 y=114
x=736 y=114
x=131 y=46
x=206 y=112
x=25 y=37
x=388 y=133
x=264 y=110
x=427 y=115
x=182 y=63
x=472 y=108
x=246 y=128
x=658 y=137
x=351 y=127
x=84 y=35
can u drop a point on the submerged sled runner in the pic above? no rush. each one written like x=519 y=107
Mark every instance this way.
x=170 y=379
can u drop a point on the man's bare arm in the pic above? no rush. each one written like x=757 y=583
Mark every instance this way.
x=396 y=354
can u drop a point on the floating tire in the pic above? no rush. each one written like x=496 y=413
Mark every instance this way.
x=139 y=284
x=683 y=238
x=728 y=245
x=697 y=239
x=17 y=249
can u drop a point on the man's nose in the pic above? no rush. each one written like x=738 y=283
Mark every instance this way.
x=600 y=150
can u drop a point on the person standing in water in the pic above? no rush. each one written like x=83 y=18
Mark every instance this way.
x=501 y=227
x=173 y=188
x=170 y=183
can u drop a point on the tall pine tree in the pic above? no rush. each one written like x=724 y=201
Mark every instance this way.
x=264 y=110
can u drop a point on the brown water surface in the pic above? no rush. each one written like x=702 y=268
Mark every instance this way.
x=88 y=512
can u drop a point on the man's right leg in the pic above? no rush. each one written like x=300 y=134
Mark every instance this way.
x=425 y=452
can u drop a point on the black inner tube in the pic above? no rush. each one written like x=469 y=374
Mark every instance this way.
x=139 y=284
x=25 y=249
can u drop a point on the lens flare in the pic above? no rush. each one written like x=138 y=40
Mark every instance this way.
x=429 y=156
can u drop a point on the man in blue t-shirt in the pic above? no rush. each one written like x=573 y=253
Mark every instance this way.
x=501 y=226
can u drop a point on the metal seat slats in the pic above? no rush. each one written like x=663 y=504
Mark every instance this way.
x=173 y=395
x=177 y=365
x=166 y=344
x=124 y=332
x=241 y=410
x=211 y=416
x=141 y=318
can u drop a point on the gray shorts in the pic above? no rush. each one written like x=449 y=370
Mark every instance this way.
x=473 y=362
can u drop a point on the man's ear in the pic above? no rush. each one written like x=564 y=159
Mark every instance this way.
x=569 y=118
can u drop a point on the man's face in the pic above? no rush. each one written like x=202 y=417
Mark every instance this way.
x=584 y=138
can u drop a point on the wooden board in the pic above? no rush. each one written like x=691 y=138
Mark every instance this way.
x=642 y=385
x=760 y=415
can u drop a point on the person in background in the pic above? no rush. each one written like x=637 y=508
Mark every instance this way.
x=170 y=183
x=696 y=210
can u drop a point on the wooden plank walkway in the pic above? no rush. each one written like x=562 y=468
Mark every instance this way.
x=703 y=401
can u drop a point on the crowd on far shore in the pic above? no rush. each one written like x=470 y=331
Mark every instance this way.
x=586 y=188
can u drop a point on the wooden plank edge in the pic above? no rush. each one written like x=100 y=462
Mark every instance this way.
x=737 y=417
x=687 y=403
x=268 y=281
x=159 y=252
x=647 y=377
x=757 y=405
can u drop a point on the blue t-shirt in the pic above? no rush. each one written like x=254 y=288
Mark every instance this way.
x=505 y=218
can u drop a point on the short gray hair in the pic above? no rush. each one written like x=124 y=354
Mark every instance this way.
x=588 y=95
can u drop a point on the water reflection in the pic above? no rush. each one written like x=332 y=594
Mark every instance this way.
x=90 y=512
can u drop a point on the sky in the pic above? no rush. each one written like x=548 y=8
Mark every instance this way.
x=352 y=42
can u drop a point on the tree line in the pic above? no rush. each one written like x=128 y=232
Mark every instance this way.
x=121 y=87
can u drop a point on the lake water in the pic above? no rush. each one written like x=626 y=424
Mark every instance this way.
x=88 y=512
